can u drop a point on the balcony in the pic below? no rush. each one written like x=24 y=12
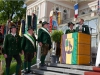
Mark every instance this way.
x=28 y=2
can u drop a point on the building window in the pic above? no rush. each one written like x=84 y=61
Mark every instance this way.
x=57 y=8
x=90 y=10
x=93 y=24
x=83 y=13
x=37 y=12
x=64 y=14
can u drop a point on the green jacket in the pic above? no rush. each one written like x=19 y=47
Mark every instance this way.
x=12 y=45
x=69 y=31
x=27 y=45
x=85 y=29
x=44 y=37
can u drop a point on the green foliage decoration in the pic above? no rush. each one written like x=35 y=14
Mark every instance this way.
x=56 y=35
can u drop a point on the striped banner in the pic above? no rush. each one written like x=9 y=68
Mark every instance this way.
x=29 y=19
x=20 y=30
x=59 y=17
x=75 y=48
x=69 y=48
x=76 y=10
x=23 y=26
x=2 y=29
x=50 y=24
x=34 y=21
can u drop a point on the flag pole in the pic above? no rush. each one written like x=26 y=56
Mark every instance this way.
x=98 y=20
x=98 y=14
x=98 y=51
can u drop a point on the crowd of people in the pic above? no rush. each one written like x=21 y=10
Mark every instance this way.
x=81 y=27
x=14 y=45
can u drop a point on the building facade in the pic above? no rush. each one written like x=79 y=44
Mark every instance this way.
x=87 y=11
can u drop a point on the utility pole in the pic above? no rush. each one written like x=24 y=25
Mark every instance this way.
x=98 y=51
x=98 y=26
x=98 y=14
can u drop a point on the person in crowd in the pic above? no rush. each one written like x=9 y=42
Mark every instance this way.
x=12 y=49
x=44 y=41
x=70 y=30
x=82 y=28
x=40 y=24
x=28 y=45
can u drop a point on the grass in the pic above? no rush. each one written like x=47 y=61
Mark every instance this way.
x=13 y=65
x=2 y=57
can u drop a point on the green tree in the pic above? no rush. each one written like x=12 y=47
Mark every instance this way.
x=12 y=9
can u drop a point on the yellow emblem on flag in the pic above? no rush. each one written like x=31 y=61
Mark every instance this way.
x=69 y=45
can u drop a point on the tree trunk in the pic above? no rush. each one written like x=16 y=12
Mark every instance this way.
x=12 y=14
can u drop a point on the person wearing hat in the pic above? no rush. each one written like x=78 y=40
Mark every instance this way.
x=70 y=30
x=12 y=49
x=28 y=45
x=82 y=28
x=44 y=41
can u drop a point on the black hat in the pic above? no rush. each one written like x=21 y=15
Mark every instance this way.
x=44 y=23
x=40 y=22
x=30 y=27
x=70 y=24
x=13 y=26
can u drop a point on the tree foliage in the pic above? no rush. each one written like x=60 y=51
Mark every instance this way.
x=56 y=35
x=11 y=9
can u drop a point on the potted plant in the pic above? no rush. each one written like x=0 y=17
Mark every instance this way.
x=56 y=37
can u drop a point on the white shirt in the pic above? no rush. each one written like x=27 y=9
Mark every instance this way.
x=13 y=34
x=51 y=13
x=80 y=27
x=71 y=29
